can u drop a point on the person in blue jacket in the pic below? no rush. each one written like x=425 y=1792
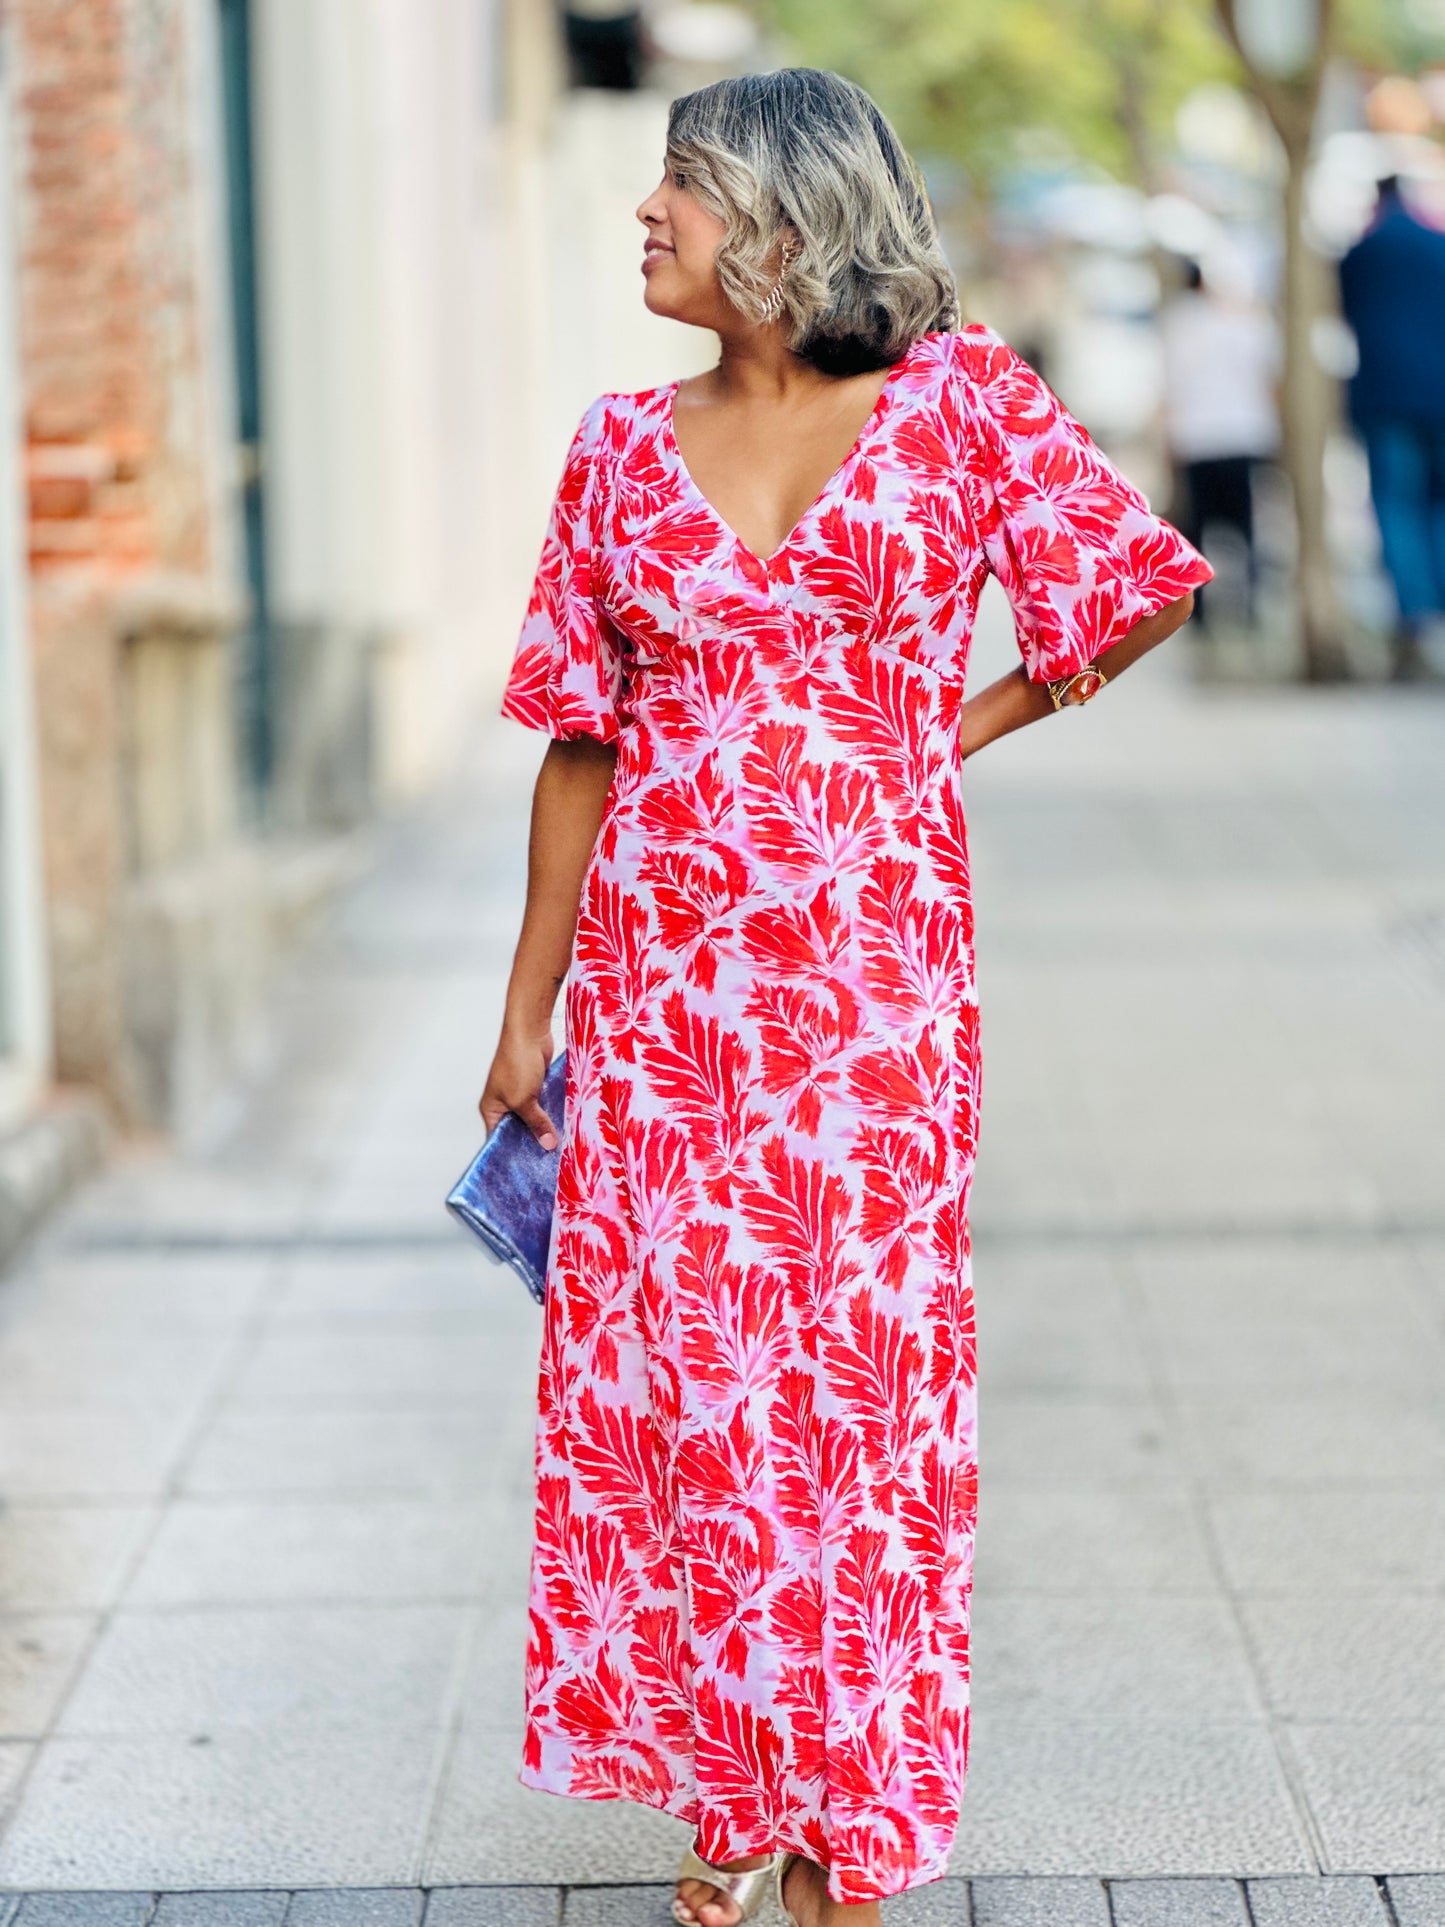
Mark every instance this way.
x=1392 y=283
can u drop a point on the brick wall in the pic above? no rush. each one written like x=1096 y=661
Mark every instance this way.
x=115 y=377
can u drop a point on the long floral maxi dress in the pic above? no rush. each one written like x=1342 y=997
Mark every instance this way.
x=756 y=1441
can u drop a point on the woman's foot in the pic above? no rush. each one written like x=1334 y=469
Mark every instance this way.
x=805 y=1895
x=710 y=1906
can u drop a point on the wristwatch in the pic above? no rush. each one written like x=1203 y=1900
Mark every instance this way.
x=1067 y=692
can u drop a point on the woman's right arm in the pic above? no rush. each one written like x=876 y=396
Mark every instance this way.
x=567 y=806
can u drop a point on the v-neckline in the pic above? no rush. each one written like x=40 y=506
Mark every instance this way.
x=864 y=436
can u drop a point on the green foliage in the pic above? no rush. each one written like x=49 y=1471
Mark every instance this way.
x=978 y=81
x=1400 y=36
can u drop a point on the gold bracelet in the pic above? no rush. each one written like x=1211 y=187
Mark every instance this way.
x=1060 y=687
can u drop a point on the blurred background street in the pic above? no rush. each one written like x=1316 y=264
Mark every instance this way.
x=300 y=305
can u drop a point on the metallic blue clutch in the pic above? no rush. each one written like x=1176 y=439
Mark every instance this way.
x=507 y=1193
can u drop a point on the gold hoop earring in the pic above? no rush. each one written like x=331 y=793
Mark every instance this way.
x=773 y=299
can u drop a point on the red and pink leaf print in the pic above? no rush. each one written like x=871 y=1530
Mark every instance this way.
x=688 y=812
x=722 y=1467
x=676 y=540
x=803 y=942
x=616 y=932
x=801 y=1699
x=943 y=533
x=955 y=1349
x=880 y=1640
x=937 y=1740
x=590 y=1586
x=727 y=705
x=638 y=1773
x=597 y=1706
x=806 y=1037
x=756 y=1473
x=879 y=711
x=864 y=570
x=731 y=1569
x=705 y=1072
x=662 y=1670
x=796 y=1618
x=741 y=1753
x=808 y=821
x=599 y=1308
x=913 y=961
x=651 y=1165
x=529 y=685
x=735 y=1336
x=909 y=1083
x=695 y=896
x=1065 y=475
x=816 y=1466
x=614 y=1455
x=903 y=1192
x=802 y=1218
x=798 y=657
x=879 y=1372
x=926 y=1516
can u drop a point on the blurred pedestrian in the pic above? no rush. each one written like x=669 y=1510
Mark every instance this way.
x=748 y=640
x=1392 y=283
x=1221 y=376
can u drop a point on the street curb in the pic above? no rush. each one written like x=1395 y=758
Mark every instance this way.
x=43 y=1160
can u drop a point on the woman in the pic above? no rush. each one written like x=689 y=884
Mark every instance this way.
x=755 y=1452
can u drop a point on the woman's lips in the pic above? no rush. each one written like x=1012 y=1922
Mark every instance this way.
x=654 y=252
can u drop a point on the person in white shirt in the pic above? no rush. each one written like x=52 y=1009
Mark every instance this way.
x=1221 y=372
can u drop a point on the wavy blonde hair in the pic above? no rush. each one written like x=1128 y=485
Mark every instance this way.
x=801 y=162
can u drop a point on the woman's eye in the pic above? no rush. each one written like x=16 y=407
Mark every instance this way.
x=679 y=179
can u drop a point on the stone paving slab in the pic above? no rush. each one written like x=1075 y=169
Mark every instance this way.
x=1341 y=1902
x=85 y=1910
x=494 y=1907
x=1179 y=1903
x=1419 y=1899
x=1066 y=1902
x=221 y=1910
x=356 y=1907
x=617 y=1907
x=942 y=1903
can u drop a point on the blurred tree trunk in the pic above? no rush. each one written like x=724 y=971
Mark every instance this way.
x=1139 y=54
x=1309 y=399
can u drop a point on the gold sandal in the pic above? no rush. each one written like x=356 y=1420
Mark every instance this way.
x=748 y=1887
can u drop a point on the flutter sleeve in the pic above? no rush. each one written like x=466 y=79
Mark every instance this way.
x=1078 y=550
x=566 y=675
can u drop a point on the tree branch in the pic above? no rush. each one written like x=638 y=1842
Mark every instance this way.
x=1290 y=104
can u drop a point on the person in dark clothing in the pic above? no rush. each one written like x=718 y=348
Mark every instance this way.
x=1392 y=284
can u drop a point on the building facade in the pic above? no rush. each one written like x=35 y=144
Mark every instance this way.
x=253 y=247
x=25 y=1035
x=305 y=300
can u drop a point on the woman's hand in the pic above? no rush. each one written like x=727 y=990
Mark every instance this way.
x=514 y=1083
x=1013 y=700
x=567 y=806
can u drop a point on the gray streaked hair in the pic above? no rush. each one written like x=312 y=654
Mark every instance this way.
x=806 y=158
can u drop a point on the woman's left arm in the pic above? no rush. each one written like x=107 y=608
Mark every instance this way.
x=1014 y=700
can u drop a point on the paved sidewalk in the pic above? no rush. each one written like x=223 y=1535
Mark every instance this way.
x=265 y=1417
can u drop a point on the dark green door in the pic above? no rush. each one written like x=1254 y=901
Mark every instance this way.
x=255 y=665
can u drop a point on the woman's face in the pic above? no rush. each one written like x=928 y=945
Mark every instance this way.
x=678 y=254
